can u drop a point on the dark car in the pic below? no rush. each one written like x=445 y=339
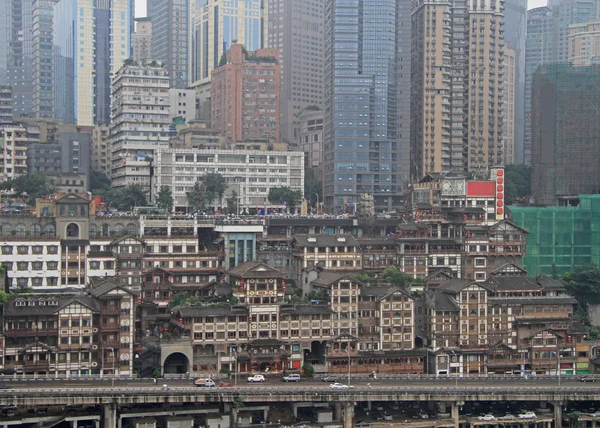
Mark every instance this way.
x=331 y=378
x=9 y=410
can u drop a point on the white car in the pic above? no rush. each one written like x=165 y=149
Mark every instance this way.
x=486 y=418
x=256 y=378
x=507 y=417
x=338 y=385
x=527 y=415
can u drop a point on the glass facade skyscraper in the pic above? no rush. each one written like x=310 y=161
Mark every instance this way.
x=367 y=102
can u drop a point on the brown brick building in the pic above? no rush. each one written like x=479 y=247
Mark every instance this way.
x=245 y=96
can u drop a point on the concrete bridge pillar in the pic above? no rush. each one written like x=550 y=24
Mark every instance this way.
x=455 y=412
x=337 y=411
x=557 y=414
x=109 y=415
x=441 y=407
x=294 y=409
x=233 y=420
x=348 y=415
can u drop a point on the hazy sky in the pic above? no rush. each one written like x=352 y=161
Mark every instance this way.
x=140 y=6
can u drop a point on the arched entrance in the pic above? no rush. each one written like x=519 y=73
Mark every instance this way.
x=176 y=363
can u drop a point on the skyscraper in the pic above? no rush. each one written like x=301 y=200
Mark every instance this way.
x=170 y=38
x=515 y=34
x=539 y=50
x=508 y=129
x=5 y=7
x=296 y=28
x=214 y=29
x=141 y=40
x=457 y=87
x=565 y=13
x=43 y=59
x=91 y=42
x=367 y=102
x=584 y=43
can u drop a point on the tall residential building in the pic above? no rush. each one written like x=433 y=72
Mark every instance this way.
x=539 y=51
x=170 y=38
x=6 y=105
x=309 y=139
x=141 y=40
x=100 y=150
x=5 y=17
x=214 y=29
x=92 y=40
x=20 y=59
x=457 y=87
x=584 y=43
x=515 y=36
x=43 y=59
x=565 y=13
x=367 y=102
x=245 y=96
x=140 y=122
x=13 y=150
x=508 y=129
x=296 y=28
x=565 y=133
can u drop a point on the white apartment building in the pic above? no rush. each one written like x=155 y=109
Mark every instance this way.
x=183 y=104
x=140 y=122
x=252 y=174
x=13 y=153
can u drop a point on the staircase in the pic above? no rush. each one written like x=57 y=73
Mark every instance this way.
x=149 y=359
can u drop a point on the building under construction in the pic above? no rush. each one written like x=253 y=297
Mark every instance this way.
x=560 y=238
x=565 y=133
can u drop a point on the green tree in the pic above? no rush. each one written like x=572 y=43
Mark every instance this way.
x=164 y=199
x=518 y=183
x=3 y=297
x=178 y=300
x=99 y=180
x=31 y=186
x=308 y=369
x=285 y=195
x=398 y=277
x=215 y=185
x=583 y=283
x=125 y=198
x=197 y=196
x=232 y=203
x=312 y=186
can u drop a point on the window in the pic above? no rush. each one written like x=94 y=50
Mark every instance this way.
x=7 y=249
x=37 y=249
x=22 y=249
x=22 y=265
x=52 y=265
x=64 y=323
x=37 y=265
x=64 y=341
x=479 y=262
x=52 y=249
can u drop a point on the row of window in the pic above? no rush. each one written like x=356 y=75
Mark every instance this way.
x=25 y=249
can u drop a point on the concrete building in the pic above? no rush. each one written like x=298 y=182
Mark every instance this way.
x=296 y=29
x=568 y=12
x=366 y=133
x=141 y=40
x=13 y=153
x=565 y=130
x=92 y=41
x=214 y=30
x=170 y=38
x=245 y=95
x=69 y=154
x=140 y=122
x=43 y=58
x=515 y=36
x=197 y=134
x=6 y=105
x=540 y=50
x=183 y=104
x=509 y=90
x=100 y=150
x=584 y=43
x=251 y=173
x=5 y=21
x=309 y=140
x=71 y=333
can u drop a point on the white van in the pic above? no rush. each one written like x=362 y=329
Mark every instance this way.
x=204 y=382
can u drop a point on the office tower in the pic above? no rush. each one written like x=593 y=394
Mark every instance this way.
x=539 y=50
x=170 y=38
x=135 y=136
x=43 y=59
x=91 y=42
x=565 y=112
x=584 y=43
x=367 y=102
x=141 y=40
x=515 y=35
x=245 y=96
x=296 y=28
x=20 y=58
x=5 y=8
x=566 y=13
x=214 y=30
x=309 y=139
x=508 y=128
x=457 y=72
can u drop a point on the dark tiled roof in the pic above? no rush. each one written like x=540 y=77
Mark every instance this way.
x=64 y=299
x=558 y=300
x=364 y=242
x=382 y=290
x=307 y=309
x=500 y=283
x=103 y=286
x=202 y=311
x=549 y=283
x=445 y=302
x=454 y=285
x=326 y=241
x=326 y=278
x=468 y=210
x=309 y=221
x=254 y=269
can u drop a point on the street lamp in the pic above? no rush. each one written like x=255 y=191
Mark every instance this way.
x=112 y=352
x=348 y=365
